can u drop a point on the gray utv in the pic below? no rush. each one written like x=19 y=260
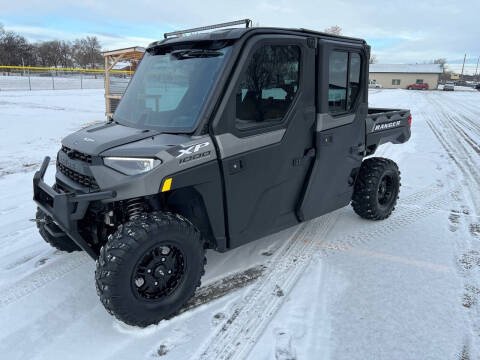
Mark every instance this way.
x=221 y=137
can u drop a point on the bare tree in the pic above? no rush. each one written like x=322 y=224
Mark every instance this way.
x=373 y=59
x=15 y=49
x=334 y=30
x=65 y=54
x=441 y=61
x=87 y=52
x=49 y=53
x=94 y=51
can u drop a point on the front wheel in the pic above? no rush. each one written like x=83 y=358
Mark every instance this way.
x=149 y=268
x=376 y=189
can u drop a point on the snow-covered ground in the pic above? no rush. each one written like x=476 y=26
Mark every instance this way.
x=337 y=287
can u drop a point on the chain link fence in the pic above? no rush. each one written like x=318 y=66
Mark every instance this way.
x=43 y=78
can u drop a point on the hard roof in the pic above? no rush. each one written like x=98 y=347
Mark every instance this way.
x=406 y=68
x=236 y=33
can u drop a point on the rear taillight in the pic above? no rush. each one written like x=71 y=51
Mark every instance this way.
x=410 y=121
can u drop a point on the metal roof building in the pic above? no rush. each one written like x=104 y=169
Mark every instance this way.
x=400 y=76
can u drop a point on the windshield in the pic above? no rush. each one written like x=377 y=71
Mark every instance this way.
x=169 y=89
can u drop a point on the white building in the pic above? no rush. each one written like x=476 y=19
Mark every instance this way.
x=400 y=76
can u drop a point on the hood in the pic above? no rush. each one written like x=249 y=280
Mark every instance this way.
x=148 y=147
x=97 y=138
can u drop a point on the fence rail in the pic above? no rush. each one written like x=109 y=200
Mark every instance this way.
x=52 y=78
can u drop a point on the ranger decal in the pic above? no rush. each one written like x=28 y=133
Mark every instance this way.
x=386 y=126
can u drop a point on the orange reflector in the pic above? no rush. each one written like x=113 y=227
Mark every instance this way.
x=167 y=184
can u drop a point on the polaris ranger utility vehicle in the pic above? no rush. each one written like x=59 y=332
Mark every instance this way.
x=220 y=138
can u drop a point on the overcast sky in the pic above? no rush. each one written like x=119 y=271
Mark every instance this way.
x=398 y=31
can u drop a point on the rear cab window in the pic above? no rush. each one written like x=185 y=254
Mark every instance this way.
x=344 y=73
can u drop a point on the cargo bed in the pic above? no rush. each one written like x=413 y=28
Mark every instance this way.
x=386 y=125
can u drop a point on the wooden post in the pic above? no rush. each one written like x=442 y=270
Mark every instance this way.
x=107 y=85
x=111 y=59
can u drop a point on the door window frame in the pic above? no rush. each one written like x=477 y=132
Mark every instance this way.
x=324 y=48
x=251 y=46
x=349 y=52
x=253 y=125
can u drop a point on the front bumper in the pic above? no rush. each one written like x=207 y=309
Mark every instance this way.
x=66 y=208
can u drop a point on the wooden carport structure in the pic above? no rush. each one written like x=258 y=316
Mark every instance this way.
x=114 y=89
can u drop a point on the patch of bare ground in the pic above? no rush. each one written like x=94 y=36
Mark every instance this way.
x=224 y=286
x=454 y=219
x=162 y=350
x=474 y=229
x=465 y=355
x=469 y=260
x=470 y=297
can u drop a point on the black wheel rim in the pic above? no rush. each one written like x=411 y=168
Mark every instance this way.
x=386 y=190
x=159 y=272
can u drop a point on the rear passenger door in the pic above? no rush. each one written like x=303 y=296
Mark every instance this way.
x=264 y=133
x=340 y=127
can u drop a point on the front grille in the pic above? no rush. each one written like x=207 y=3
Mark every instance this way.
x=74 y=154
x=81 y=179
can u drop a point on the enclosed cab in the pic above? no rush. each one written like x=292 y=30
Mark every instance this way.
x=221 y=138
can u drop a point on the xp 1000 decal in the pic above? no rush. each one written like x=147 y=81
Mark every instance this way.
x=186 y=153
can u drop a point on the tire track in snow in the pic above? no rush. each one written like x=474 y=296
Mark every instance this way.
x=240 y=331
x=42 y=277
x=405 y=215
x=238 y=334
x=463 y=150
x=457 y=148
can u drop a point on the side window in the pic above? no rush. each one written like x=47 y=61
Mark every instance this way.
x=268 y=86
x=344 y=81
x=354 y=79
x=337 y=82
x=419 y=81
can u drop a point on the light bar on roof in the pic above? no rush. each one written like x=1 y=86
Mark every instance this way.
x=247 y=23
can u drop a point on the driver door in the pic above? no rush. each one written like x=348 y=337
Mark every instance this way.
x=265 y=135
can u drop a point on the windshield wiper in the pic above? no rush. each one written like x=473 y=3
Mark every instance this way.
x=195 y=53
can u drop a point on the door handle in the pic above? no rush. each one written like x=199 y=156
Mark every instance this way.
x=309 y=153
x=235 y=166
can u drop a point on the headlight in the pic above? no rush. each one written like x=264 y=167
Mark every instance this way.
x=131 y=166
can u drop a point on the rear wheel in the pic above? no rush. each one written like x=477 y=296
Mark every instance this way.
x=376 y=189
x=53 y=235
x=149 y=268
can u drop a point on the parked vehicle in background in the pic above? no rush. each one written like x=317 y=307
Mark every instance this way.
x=374 y=84
x=477 y=87
x=449 y=86
x=423 y=86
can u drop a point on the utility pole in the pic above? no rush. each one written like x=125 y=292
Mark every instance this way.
x=463 y=66
x=477 y=66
